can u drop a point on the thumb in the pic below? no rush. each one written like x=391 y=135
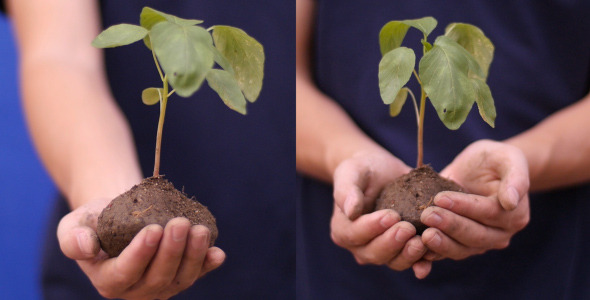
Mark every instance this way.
x=77 y=241
x=514 y=184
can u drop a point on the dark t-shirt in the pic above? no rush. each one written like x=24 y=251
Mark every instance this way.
x=541 y=65
x=241 y=167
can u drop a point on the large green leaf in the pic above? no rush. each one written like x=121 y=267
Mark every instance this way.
x=184 y=54
x=396 y=107
x=392 y=34
x=152 y=95
x=474 y=41
x=444 y=72
x=150 y=17
x=245 y=55
x=395 y=69
x=119 y=35
x=484 y=100
x=228 y=89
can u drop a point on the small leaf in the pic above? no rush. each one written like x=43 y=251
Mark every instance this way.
x=392 y=34
x=395 y=69
x=221 y=61
x=396 y=107
x=485 y=102
x=228 y=89
x=245 y=55
x=151 y=96
x=474 y=41
x=119 y=35
x=184 y=54
x=150 y=17
x=444 y=72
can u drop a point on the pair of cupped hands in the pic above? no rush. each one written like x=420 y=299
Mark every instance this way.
x=494 y=206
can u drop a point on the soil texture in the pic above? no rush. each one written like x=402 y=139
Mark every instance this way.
x=411 y=193
x=153 y=201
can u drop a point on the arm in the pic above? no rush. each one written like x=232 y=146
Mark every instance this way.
x=86 y=145
x=332 y=148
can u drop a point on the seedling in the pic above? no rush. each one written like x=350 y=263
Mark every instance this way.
x=185 y=55
x=452 y=73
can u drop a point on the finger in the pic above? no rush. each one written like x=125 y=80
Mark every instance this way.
x=349 y=182
x=386 y=246
x=514 y=184
x=214 y=258
x=485 y=210
x=116 y=275
x=413 y=251
x=432 y=256
x=438 y=242
x=194 y=257
x=347 y=234
x=464 y=230
x=422 y=269
x=77 y=241
x=164 y=265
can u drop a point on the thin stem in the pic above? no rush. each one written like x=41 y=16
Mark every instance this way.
x=421 y=129
x=417 y=77
x=163 y=103
x=157 y=63
x=415 y=107
x=171 y=92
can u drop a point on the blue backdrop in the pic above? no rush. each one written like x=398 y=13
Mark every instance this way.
x=26 y=191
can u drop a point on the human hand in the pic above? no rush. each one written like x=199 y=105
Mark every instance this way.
x=377 y=237
x=157 y=264
x=494 y=207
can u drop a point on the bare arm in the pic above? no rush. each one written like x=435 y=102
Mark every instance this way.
x=79 y=132
x=558 y=149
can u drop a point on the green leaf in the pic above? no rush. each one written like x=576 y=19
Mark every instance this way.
x=228 y=89
x=245 y=55
x=222 y=61
x=151 y=96
x=395 y=69
x=474 y=41
x=392 y=35
x=396 y=107
x=119 y=35
x=484 y=100
x=184 y=54
x=150 y=17
x=426 y=24
x=444 y=72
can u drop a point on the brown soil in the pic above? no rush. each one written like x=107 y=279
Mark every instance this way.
x=411 y=193
x=153 y=201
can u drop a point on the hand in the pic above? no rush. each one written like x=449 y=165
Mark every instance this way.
x=494 y=207
x=377 y=237
x=157 y=264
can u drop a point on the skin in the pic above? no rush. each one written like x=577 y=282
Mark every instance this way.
x=497 y=177
x=86 y=145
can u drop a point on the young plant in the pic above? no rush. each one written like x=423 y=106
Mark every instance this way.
x=185 y=55
x=452 y=73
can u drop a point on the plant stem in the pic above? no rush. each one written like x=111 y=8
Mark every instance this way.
x=421 y=129
x=163 y=103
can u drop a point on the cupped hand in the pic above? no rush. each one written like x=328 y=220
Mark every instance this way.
x=373 y=237
x=157 y=264
x=493 y=208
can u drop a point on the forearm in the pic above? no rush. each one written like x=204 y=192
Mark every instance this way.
x=557 y=149
x=77 y=129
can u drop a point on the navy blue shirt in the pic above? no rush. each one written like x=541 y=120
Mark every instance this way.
x=241 y=167
x=541 y=64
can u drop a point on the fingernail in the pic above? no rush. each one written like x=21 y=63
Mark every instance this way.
x=349 y=205
x=444 y=202
x=201 y=239
x=152 y=236
x=435 y=240
x=402 y=235
x=512 y=196
x=83 y=244
x=388 y=220
x=179 y=232
x=414 y=251
x=433 y=219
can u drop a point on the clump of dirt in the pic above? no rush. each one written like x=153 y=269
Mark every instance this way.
x=411 y=193
x=153 y=201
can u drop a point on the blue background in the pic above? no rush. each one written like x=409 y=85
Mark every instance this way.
x=26 y=191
